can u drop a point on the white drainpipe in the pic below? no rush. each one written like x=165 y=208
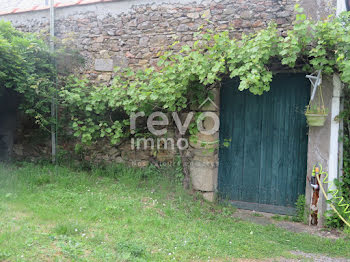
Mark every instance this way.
x=334 y=140
x=53 y=103
x=341 y=6
x=334 y=144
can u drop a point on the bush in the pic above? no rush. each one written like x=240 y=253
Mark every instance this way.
x=300 y=210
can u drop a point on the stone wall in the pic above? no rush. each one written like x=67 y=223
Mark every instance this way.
x=133 y=33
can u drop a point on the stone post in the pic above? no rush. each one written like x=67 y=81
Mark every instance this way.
x=204 y=147
x=320 y=145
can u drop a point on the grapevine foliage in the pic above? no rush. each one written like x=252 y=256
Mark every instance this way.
x=186 y=76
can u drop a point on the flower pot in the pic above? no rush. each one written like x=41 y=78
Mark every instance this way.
x=316 y=119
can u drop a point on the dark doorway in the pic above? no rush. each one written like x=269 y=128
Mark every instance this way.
x=8 y=115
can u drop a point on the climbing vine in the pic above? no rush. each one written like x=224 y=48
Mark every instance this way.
x=187 y=76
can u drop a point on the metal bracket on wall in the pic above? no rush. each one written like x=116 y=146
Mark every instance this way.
x=316 y=81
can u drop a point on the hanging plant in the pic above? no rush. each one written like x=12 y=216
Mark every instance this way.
x=316 y=113
x=316 y=116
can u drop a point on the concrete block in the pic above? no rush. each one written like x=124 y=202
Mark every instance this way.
x=104 y=65
x=202 y=176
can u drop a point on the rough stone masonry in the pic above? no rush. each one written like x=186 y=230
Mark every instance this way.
x=133 y=33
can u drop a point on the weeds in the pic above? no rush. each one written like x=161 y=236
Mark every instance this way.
x=118 y=213
x=300 y=210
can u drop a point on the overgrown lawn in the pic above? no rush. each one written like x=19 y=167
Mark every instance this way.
x=126 y=214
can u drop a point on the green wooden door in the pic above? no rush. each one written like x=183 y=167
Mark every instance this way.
x=264 y=167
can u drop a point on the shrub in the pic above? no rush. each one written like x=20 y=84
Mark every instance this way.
x=300 y=210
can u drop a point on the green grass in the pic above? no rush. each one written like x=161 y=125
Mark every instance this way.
x=125 y=214
x=281 y=218
x=257 y=215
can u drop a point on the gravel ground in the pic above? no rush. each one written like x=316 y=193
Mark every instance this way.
x=266 y=219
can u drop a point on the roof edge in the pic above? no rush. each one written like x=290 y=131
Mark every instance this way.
x=57 y=5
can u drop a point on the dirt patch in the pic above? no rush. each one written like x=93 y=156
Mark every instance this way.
x=316 y=257
x=262 y=218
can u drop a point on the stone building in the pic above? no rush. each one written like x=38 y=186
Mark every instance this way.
x=132 y=33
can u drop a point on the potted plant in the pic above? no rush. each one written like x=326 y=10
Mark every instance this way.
x=316 y=115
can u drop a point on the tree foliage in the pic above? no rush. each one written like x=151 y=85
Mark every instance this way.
x=26 y=67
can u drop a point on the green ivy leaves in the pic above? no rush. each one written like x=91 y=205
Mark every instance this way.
x=182 y=77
